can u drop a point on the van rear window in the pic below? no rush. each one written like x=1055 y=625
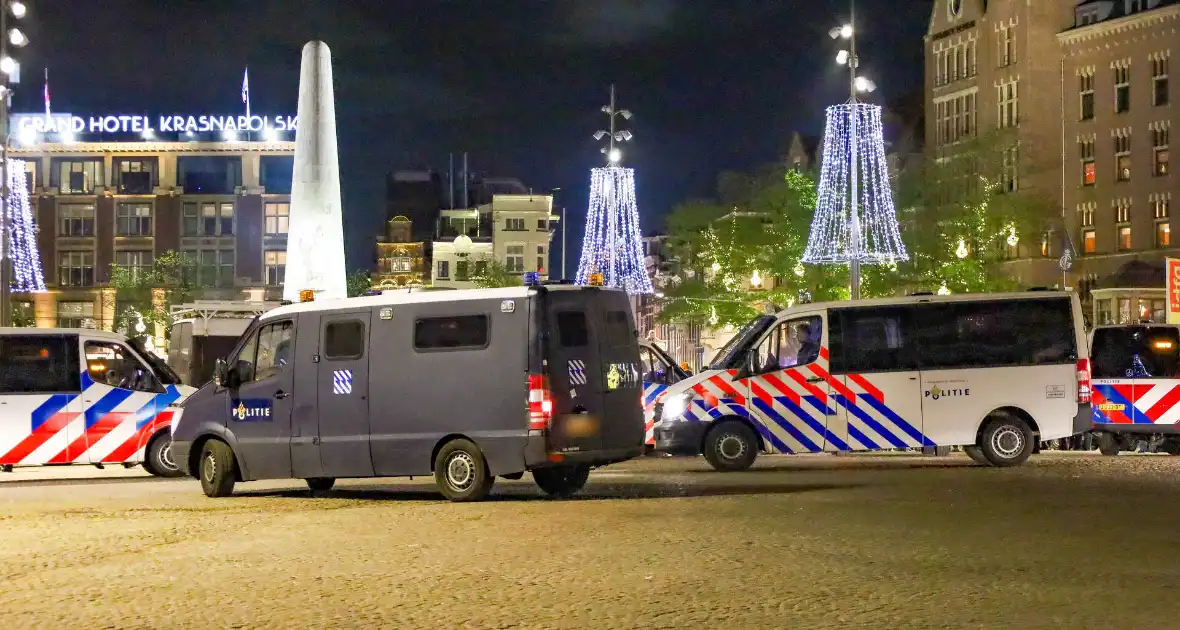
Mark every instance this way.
x=39 y=363
x=618 y=329
x=1136 y=352
x=463 y=331
x=572 y=330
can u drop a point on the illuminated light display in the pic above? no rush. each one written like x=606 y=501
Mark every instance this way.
x=612 y=244
x=22 y=235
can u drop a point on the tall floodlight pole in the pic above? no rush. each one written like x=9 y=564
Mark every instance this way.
x=8 y=67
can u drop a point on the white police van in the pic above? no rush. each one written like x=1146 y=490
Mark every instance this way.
x=465 y=385
x=994 y=373
x=71 y=396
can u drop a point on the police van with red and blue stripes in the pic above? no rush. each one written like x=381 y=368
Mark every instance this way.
x=995 y=374
x=1136 y=387
x=75 y=396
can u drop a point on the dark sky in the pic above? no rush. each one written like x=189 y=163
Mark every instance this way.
x=714 y=84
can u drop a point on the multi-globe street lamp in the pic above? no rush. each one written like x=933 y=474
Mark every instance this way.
x=9 y=73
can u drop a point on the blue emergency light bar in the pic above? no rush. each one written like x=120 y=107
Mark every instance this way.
x=532 y=278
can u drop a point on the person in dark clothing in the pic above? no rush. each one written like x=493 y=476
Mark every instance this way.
x=808 y=347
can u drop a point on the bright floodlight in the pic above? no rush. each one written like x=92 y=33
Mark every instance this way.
x=269 y=134
x=846 y=31
x=17 y=38
x=625 y=113
x=599 y=135
x=27 y=136
x=615 y=155
x=842 y=57
x=7 y=65
x=18 y=9
x=865 y=85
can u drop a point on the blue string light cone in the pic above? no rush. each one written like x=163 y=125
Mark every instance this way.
x=22 y=236
x=832 y=238
x=611 y=244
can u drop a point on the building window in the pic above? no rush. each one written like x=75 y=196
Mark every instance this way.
x=397 y=264
x=136 y=263
x=1124 y=238
x=1159 y=80
x=208 y=219
x=1089 y=242
x=444 y=269
x=1086 y=215
x=209 y=267
x=75 y=314
x=133 y=219
x=1086 y=90
x=1089 y=170
x=1122 y=211
x=514 y=225
x=277 y=218
x=461 y=270
x=515 y=260
x=1122 y=87
x=75 y=219
x=76 y=177
x=275 y=263
x=209 y=174
x=1008 y=104
x=541 y=264
x=1160 y=204
x=135 y=176
x=1011 y=168
x=542 y=225
x=75 y=269
x=1122 y=155
x=1006 y=44
x=276 y=173
x=1159 y=136
x=1163 y=234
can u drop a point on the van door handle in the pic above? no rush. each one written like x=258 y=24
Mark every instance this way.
x=281 y=394
x=815 y=379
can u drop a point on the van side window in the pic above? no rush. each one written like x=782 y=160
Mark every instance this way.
x=999 y=333
x=39 y=363
x=463 y=331
x=246 y=357
x=114 y=365
x=618 y=329
x=344 y=340
x=792 y=343
x=872 y=340
x=654 y=370
x=276 y=345
x=572 y=330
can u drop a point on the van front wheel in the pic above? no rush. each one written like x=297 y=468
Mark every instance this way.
x=561 y=482
x=217 y=469
x=1006 y=441
x=461 y=472
x=976 y=455
x=731 y=446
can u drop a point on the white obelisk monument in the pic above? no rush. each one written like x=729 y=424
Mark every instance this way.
x=315 y=240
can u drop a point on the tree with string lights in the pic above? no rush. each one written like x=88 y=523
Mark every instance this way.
x=611 y=244
x=22 y=236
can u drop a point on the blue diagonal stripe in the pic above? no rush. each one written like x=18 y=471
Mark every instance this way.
x=769 y=436
x=105 y=405
x=157 y=404
x=812 y=422
x=897 y=420
x=45 y=410
x=870 y=422
x=1114 y=396
x=786 y=425
x=855 y=433
x=824 y=409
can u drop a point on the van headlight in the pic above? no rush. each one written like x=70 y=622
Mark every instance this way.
x=674 y=406
x=174 y=421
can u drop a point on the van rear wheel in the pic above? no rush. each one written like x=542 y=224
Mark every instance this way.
x=976 y=455
x=461 y=472
x=158 y=457
x=320 y=484
x=1006 y=441
x=217 y=469
x=561 y=482
x=731 y=446
x=1109 y=445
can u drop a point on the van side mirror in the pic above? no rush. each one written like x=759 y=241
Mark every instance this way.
x=220 y=372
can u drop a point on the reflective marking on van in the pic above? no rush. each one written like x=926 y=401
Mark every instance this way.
x=1138 y=402
x=342 y=381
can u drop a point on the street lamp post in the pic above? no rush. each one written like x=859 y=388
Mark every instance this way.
x=7 y=67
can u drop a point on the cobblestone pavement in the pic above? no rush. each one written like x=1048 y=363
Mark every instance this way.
x=881 y=541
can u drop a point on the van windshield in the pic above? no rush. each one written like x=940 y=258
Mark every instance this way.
x=735 y=346
x=1136 y=352
x=163 y=372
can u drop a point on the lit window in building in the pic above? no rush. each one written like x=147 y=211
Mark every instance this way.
x=209 y=267
x=1122 y=155
x=1122 y=211
x=277 y=218
x=1124 y=310
x=1163 y=234
x=208 y=219
x=75 y=219
x=135 y=176
x=1086 y=214
x=133 y=219
x=1122 y=87
x=1086 y=92
x=444 y=269
x=138 y=263
x=275 y=263
x=1089 y=169
x=1159 y=79
x=75 y=269
x=76 y=177
x=514 y=225
x=1011 y=169
x=541 y=259
x=1089 y=242
x=31 y=181
x=75 y=314
x=1008 y=98
x=1104 y=316
x=1160 y=136
x=1161 y=204
x=1125 y=238
x=515 y=259
x=1006 y=45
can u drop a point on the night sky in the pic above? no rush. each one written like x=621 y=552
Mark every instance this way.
x=714 y=84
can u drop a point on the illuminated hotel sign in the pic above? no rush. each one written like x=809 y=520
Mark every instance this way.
x=68 y=124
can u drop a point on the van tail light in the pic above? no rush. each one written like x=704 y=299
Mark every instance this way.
x=540 y=402
x=1084 y=386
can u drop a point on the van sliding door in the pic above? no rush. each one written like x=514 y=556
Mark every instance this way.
x=343 y=395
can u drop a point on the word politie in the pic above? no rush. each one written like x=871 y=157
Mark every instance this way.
x=164 y=124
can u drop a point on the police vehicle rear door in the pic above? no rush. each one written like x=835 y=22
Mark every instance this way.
x=576 y=378
x=1136 y=375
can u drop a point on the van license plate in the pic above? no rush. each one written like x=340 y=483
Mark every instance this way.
x=581 y=426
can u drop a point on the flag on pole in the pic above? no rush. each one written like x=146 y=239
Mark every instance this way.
x=1068 y=253
x=246 y=91
x=48 y=116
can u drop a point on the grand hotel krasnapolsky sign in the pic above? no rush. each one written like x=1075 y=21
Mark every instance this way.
x=67 y=124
